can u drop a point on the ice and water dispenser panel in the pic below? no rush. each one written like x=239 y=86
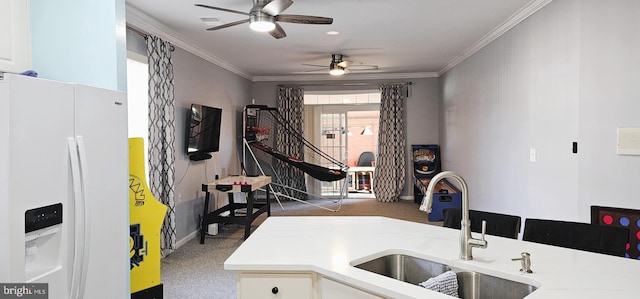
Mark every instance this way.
x=42 y=217
x=43 y=237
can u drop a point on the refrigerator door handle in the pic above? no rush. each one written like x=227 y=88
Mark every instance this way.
x=86 y=228
x=78 y=234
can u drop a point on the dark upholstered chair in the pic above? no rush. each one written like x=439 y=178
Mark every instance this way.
x=365 y=159
x=597 y=238
x=501 y=225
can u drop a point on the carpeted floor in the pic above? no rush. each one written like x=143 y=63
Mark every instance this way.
x=196 y=270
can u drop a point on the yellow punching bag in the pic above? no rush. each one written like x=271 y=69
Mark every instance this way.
x=146 y=217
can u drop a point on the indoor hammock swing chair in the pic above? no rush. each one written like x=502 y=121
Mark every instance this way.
x=261 y=123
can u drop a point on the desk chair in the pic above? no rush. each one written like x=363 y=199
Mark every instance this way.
x=597 y=238
x=365 y=159
x=501 y=225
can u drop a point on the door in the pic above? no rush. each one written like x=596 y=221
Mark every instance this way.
x=333 y=141
x=344 y=132
x=41 y=120
x=101 y=129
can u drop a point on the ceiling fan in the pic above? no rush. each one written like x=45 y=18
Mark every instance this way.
x=265 y=13
x=339 y=67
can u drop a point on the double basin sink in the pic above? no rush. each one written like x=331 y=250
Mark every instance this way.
x=471 y=285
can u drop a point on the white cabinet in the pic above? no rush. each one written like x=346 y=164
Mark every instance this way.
x=15 y=53
x=275 y=286
x=331 y=289
x=283 y=285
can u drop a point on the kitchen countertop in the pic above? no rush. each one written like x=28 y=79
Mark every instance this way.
x=330 y=245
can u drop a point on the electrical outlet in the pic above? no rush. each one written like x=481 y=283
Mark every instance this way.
x=532 y=154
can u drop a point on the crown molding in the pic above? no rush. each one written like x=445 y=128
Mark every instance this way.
x=531 y=8
x=144 y=22
x=325 y=77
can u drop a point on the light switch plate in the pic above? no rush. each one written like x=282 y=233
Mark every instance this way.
x=532 y=154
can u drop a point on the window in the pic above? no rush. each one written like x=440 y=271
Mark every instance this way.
x=137 y=98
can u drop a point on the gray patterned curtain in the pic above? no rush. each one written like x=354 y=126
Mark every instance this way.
x=162 y=135
x=290 y=105
x=391 y=161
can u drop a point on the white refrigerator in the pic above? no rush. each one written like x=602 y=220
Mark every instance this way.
x=64 y=200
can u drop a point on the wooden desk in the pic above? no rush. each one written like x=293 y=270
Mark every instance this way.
x=361 y=178
x=230 y=185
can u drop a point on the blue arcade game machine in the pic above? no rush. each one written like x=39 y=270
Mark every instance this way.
x=426 y=160
x=426 y=164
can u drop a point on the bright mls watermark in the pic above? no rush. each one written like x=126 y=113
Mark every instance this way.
x=24 y=290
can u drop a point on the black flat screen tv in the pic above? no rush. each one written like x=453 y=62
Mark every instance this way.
x=203 y=131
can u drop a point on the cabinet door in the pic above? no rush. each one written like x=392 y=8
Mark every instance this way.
x=14 y=36
x=331 y=289
x=275 y=286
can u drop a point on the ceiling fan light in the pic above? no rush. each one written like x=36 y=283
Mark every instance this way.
x=262 y=26
x=336 y=72
x=262 y=23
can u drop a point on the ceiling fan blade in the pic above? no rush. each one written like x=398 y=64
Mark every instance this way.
x=229 y=25
x=299 y=19
x=223 y=9
x=275 y=7
x=315 y=65
x=278 y=32
x=345 y=64
x=363 y=67
x=323 y=69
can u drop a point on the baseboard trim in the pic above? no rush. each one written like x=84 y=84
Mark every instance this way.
x=406 y=197
x=186 y=239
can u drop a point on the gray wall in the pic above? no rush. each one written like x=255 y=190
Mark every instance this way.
x=201 y=82
x=563 y=75
x=609 y=98
x=422 y=116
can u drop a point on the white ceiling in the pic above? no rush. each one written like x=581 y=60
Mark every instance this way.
x=404 y=38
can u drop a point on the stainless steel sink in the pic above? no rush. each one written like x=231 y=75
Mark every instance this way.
x=474 y=285
x=405 y=268
x=471 y=285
